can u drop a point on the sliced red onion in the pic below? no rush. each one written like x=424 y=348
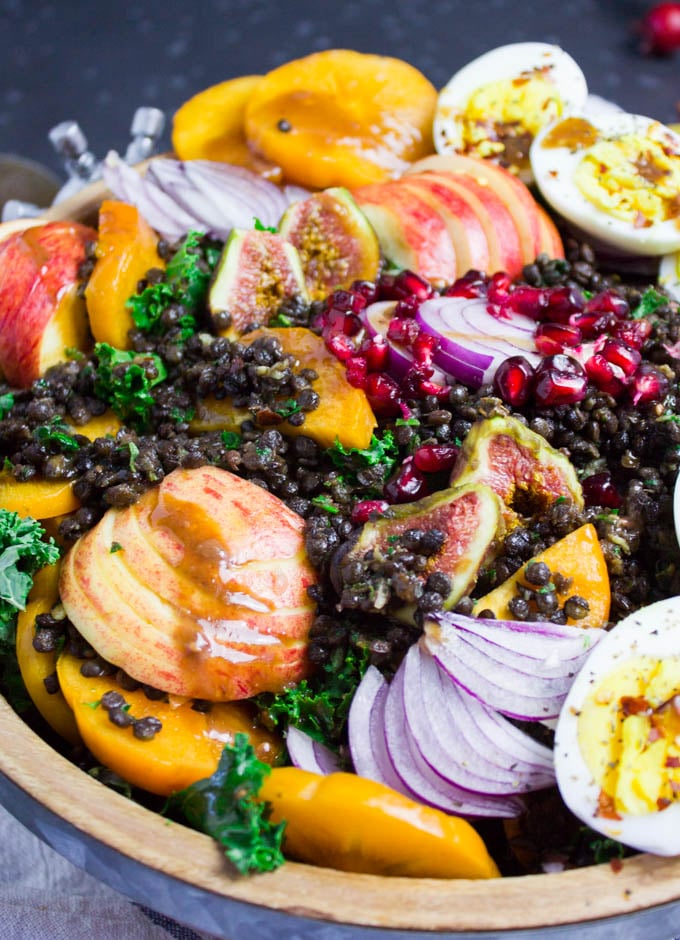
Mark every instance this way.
x=473 y=341
x=365 y=725
x=426 y=781
x=531 y=682
x=377 y=318
x=452 y=739
x=175 y=196
x=309 y=754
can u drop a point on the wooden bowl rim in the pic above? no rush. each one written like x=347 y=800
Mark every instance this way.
x=531 y=901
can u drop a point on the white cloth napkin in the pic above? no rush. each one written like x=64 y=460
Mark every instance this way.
x=44 y=897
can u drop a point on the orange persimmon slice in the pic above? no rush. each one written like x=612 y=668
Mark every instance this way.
x=127 y=247
x=578 y=557
x=186 y=748
x=341 y=118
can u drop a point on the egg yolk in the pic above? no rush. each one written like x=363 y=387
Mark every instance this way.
x=629 y=736
x=635 y=178
x=501 y=118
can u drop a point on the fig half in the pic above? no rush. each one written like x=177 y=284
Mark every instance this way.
x=335 y=240
x=258 y=273
x=434 y=546
x=521 y=466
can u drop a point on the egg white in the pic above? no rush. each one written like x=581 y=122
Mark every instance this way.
x=505 y=63
x=554 y=168
x=669 y=274
x=653 y=631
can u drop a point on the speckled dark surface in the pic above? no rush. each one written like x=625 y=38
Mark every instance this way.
x=95 y=62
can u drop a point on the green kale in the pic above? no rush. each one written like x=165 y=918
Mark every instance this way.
x=260 y=227
x=57 y=432
x=224 y=807
x=22 y=552
x=187 y=277
x=124 y=381
x=650 y=301
x=319 y=705
x=231 y=440
x=6 y=404
x=381 y=451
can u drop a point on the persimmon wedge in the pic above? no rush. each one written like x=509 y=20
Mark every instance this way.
x=36 y=667
x=185 y=749
x=343 y=413
x=578 y=558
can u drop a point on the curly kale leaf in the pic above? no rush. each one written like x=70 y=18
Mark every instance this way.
x=187 y=277
x=350 y=461
x=124 y=381
x=225 y=807
x=319 y=705
x=22 y=552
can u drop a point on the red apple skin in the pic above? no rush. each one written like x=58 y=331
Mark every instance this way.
x=551 y=241
x=512 y=191
x=40 y=312
x=412 y=234
x=206 y=593
x=465 y=228
x=498 y=224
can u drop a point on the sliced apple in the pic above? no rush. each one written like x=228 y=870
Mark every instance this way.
x=516 y=196
x=551 y=241
x=41 y=313
x=499 y=227
x=199 y=589
x=465 y=228
x=411 y=232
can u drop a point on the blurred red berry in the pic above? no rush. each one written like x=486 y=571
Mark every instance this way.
x=660 y=29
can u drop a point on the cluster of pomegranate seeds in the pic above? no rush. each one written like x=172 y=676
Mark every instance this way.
x=585 y=342
x=582 y=341
x=366 y=358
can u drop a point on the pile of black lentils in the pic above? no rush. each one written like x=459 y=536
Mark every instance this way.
x=638 y=446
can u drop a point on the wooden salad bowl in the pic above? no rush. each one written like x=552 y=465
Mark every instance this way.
x=184 y=874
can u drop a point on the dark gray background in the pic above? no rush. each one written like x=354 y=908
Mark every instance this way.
x=96 y=61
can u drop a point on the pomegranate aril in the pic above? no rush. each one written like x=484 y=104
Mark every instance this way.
x=368 y=290
x=608 y=302
x=633 y=332
x=471 y=284
x=340 y=345
x=529 y=301
x=560 y=380
x=593 y=324
x=402 y=331
x=598 y=490
x=563 y=302
x=356 y=371
x=363 y=511
x=383 y=394
x=499 y=287
x=424 y=346
x=433 y=458
x=407 y=485
x=622 y=355
x=551 y=338
x=408 y=307
x=514 y=381
x=605 y=375
x=376 y=352
x=402 y=285
x=648 y=384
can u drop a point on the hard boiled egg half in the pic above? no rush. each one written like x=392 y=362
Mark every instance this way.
x=616 y=176
x=494 y=106
x=617 y=742
x=669 y=274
